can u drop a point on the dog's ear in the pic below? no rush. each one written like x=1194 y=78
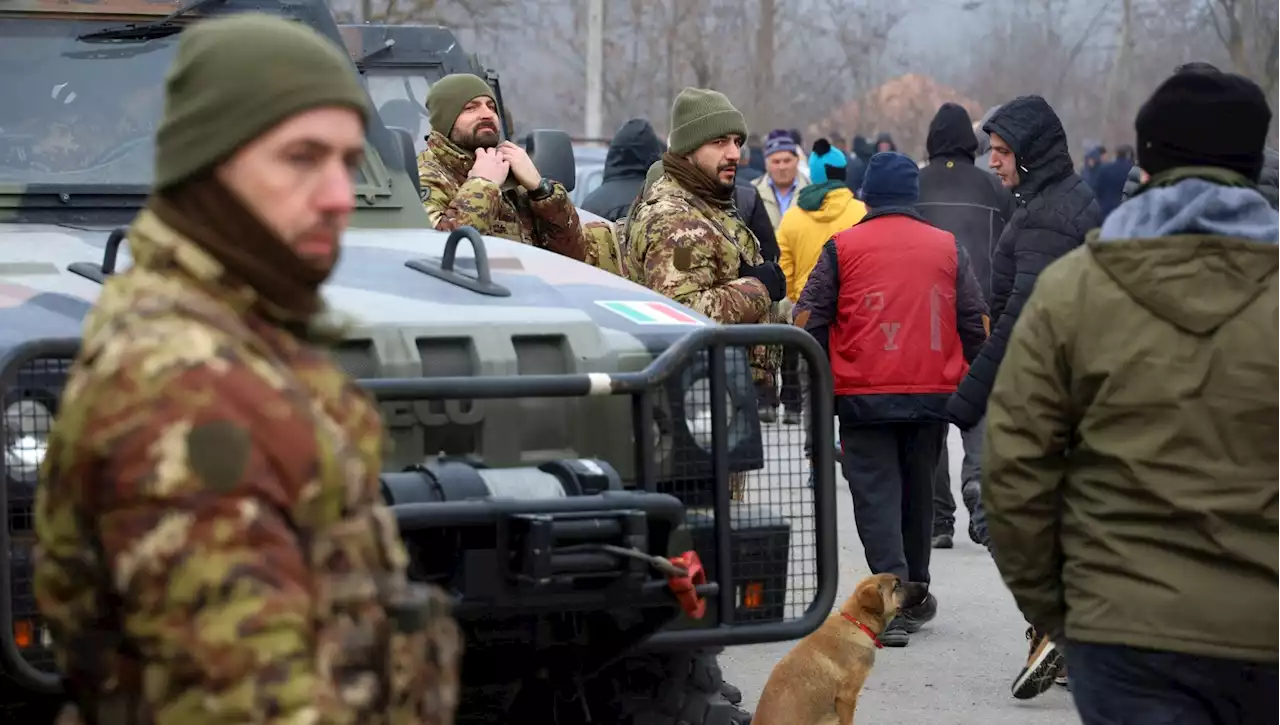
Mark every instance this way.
x=871 y=599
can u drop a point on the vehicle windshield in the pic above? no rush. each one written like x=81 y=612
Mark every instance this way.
x=80 y=113
x=77 y=112
x=400 y=95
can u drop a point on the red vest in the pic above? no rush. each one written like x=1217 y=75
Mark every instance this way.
x=895 y=328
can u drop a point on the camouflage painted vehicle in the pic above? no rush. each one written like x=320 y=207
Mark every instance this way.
x=554 y=434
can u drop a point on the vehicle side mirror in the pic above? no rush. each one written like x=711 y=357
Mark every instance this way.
x=408 y=155
x=552 y=152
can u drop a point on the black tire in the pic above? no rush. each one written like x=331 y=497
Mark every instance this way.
x=680 y=688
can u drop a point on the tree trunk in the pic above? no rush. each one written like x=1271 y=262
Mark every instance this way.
x=765 y=114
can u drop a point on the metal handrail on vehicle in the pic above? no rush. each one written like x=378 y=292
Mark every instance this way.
x=640 y=385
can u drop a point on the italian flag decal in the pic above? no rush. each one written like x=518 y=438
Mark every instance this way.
x=651 y=313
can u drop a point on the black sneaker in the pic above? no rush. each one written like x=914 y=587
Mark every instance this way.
x=791 y=417
x=1043 y=663
x=895 y=635
x=768 y=415
x=914 y=617
x=942 y=541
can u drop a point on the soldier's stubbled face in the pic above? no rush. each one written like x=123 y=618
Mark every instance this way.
x=719 y=158
x=477 y=125
x=298 y=179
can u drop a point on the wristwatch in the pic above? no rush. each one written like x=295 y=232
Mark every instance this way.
x=544 y=190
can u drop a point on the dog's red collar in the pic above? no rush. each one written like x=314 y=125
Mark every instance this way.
x=865 y=629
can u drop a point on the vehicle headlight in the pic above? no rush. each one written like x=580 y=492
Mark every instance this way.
x=697 y=410
x=27 y=424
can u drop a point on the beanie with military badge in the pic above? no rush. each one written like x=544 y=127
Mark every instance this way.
x=700 y=115
x=449 y=95
x=236 y=77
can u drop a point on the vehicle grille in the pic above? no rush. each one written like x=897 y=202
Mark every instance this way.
x=29 y=406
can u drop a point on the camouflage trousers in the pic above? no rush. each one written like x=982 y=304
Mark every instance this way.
x=766 y=360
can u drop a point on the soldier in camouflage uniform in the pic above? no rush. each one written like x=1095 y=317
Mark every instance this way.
x=684 y=238
x=464 y=171
x=212 y=545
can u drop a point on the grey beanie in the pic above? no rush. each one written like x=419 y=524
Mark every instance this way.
x=700 y=115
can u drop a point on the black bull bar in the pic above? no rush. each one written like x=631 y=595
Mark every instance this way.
x=641 y=386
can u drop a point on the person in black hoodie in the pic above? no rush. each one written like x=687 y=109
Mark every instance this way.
x=634 y=148
x=970 y=203
x=863 y=150
x=1055 y=209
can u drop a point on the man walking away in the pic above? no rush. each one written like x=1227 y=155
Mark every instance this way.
x=632 y=151
x=1110 y=177
x=960 y=198
x=823 y=210
x=1056 y=209
x=1131 y=488
x=895 y=305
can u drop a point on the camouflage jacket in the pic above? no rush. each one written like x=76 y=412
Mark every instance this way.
x=690 y=251
x=453 y=200
x=212 y=545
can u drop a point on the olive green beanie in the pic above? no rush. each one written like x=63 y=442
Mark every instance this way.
x=236 y=77
x=449 y=95
x=701 y=115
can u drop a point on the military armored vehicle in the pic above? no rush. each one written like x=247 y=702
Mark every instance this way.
x=562 y=437
x=399 y=63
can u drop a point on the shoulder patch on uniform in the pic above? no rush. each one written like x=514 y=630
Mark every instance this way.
x=218 y=452
x=682 y=259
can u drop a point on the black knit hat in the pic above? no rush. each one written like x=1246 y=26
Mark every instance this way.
x=1204 y=118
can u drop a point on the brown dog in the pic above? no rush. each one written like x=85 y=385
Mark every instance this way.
x=818 y=681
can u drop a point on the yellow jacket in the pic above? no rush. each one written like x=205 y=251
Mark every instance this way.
x=801 y=234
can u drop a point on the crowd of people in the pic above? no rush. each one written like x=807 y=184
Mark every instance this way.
x=1078 y=322
x=1120 y=366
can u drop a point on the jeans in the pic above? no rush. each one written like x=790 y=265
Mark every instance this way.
x=1120 y=685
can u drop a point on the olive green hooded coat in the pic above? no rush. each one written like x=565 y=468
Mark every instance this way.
x=1131 y=452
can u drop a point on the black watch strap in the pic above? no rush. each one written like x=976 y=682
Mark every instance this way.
x=544 y=190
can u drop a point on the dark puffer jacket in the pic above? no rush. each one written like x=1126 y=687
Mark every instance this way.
x=1056 y=208
x=634 y=148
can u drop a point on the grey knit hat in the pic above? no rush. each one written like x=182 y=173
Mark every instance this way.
x=700 y=115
